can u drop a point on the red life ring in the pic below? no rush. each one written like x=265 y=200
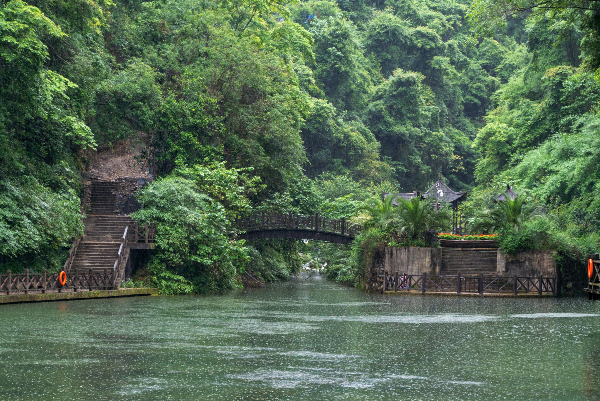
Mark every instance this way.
x=590 y=268
x=62 y=278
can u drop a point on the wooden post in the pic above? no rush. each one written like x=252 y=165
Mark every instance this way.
x=44 y=282
x=541 y=285
x=515 y=285
x=343 y=225
x=458 y=283
x=316 y=221
x=9 y=283
x=27 y=281
x=480 y=284
x=289 y=222
x=396 y=282
x=423 y=286
x=146 y=232
x=384 y=282
x=554 y=286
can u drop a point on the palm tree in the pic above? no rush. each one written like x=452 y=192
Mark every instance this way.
x=379 y=213
x=506 y=214
x=511 y=213
x=418 y=216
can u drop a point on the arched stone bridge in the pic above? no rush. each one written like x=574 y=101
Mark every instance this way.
x=268 y=226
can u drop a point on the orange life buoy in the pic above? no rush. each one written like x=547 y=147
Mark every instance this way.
x=590 y=268
x=62 y=278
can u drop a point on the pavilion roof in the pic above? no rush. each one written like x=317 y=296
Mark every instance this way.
x=443 y=192
x=508 y=193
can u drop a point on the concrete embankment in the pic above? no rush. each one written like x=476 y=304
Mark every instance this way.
x=66 y=296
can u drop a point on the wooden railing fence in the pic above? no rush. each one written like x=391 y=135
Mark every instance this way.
x=142 y=233
x=296 y=222
x=468 y=284
x=87 y=197
x=32 y=283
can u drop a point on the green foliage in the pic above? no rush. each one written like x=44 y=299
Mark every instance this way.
x=126 y=101
x=338 y=263
x=341 y=147
x=193 y=236
x=406 y=224
x=524 y=119
x=418 y=217
x=321 y=9
x=380 y=214
x=39 y=138
x=342 y=71
x=511 y=213
x=563 y=167
x=272 y=260
x=366 y=249
x=211 y=81
x=402 y=117
x=251 y=105
x=229 y=187
x=169 y=283
x=35 y=221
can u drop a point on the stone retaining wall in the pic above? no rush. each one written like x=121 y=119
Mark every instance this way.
x=527 y=264
x=126 y=203
x=402 y=260
x=429 y=260
x=412 y=260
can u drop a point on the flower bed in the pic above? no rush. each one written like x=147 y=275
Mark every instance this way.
x=470 y=237
x=468 y=241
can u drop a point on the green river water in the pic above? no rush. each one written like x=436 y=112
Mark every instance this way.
x=302 y=340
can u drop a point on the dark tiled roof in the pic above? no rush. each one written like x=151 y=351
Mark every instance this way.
x=442 y=192
x=508 y=193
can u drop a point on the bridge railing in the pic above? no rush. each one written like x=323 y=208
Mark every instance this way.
x=278 y=221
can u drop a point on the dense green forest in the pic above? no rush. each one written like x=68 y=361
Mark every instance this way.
x=304 y=107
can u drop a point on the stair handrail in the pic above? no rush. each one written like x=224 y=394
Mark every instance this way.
x=87 y=192
x=87 y=197
x=122 y=256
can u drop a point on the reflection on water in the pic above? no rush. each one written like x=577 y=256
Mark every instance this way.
x=308 y=339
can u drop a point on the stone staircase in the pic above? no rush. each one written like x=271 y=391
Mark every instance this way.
x=99 y=247
x=103 y=198
x=468 y=261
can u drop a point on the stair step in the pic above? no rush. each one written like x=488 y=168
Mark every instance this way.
x=103 y=230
